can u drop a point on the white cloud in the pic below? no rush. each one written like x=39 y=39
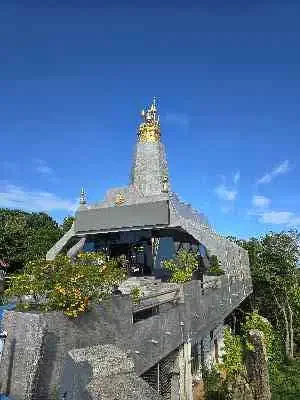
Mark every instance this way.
x=280 y=169
x=280 y=218
x=12 y=196
x=225 y=193
x=42 y=167
x=179 y=119
x=261 y=201
x=286 y=218
x=236 y=177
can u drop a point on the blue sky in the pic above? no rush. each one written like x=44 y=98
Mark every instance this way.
x=73 y=81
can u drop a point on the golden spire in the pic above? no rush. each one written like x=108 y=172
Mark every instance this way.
x=149 y=129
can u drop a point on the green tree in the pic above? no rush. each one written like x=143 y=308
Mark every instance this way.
x=67 y=224
x=273 y=262
x=26 y=236
x=12 y=237
x=42 y=233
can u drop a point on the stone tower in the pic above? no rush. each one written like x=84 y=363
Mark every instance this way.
x=149 y=174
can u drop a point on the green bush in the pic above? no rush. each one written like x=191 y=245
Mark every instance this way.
x=136 y=295
x=285 y=381
x=215 y=266
x=67 y=286
x=182 y=266
x=214 y=386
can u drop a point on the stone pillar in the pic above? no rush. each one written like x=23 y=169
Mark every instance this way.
x=175 y=379
x=199 y=361
x=206 y=348
x=188 y=381
x=182 y=385
x=22 y=355
x=181 y=372
x=211 y=344
x=257 y=367
x=218 y=340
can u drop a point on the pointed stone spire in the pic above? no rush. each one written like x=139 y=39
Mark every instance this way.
x=150 y=171
x=82 y=200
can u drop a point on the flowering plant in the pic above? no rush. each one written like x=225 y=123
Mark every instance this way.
x=64 y=285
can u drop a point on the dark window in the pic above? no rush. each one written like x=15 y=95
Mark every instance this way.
x=144 y=314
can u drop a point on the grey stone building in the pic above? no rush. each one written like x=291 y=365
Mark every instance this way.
x=120 y=350
x=145 y=221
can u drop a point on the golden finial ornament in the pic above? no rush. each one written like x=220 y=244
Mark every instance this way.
x=120 y=199
x=149 y=129
x=82 y=198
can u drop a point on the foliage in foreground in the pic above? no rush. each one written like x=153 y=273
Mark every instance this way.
x=67 y=286
x=182 y=266
x=230 y=376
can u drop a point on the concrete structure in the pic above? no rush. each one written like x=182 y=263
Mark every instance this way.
x=121 y=350
x=147 y=215
x=181 y=319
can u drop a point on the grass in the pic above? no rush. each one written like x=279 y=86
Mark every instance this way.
x=285 y=383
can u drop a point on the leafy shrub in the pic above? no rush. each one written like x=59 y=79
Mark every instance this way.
x=136 y=294
x=182 y=266
x=215 y=266
x=285 y=381
x=214 y=386
x=65 y=285
x=272 y=339
x=232 y=364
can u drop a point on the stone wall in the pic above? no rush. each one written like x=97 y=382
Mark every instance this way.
x=103 y=372
x=48 y=337
x=146 y=341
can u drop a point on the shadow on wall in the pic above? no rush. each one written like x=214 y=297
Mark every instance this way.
x=10 y=367
x=75 y=379
x=46 y=365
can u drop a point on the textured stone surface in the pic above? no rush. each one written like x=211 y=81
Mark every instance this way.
x=257 y=366
x=147 y=341
x=149 y=168
x=74 y=250
x=58 y=247
x=21 y=355
x=100 y=325
x=103 y=372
